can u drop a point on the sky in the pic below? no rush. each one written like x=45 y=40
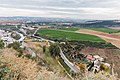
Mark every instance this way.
x=80 y=9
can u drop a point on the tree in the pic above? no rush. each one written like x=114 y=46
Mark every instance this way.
x=54 y=50
x=15 y=36
x=1 y=44
x=16 y=46
x=44 y=48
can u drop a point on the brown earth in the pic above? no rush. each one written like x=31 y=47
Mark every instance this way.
x=10 y=21
x=117 y=28
x=112 y=38
x=98 y=33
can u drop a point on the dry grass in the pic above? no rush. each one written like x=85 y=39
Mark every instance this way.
x=98 y=76
x=53 y=65
x=26 y=69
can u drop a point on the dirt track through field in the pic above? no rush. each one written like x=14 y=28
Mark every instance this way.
x=112 y=38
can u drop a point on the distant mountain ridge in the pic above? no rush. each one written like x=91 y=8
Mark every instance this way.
x=47 y=19
x=82 y=22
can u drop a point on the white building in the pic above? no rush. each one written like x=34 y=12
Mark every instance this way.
x=7 y=39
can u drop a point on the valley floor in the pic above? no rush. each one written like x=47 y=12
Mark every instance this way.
x=112 y=38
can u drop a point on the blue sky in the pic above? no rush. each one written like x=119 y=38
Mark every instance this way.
x=82 y=9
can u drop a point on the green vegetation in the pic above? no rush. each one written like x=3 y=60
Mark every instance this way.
x=107 y=30
x=118 y=51
x=44 y=48
x=67 y=68
x=104 y=67
x=60 y=35
x=50 y=63
x=70 y=29
x=8 y=27
x=4 y=71
x=15 y=36
x=103 y=29
x=102 y=45
x=28 y=56
x=1 y=44
x=30 y=32
x=71 y=49
x=54 y=50
x=17 y=47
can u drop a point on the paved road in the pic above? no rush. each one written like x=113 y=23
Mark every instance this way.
x=36 y=31
x=41 y=37
x=72 y=66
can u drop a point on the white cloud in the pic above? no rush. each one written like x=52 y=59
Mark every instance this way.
x=84 y=9
x=22 y=12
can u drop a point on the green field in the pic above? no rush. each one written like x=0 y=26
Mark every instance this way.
x=68 y=35
x=107 y=30
x=70 y=29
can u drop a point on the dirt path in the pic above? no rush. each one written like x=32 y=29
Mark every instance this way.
x=112 y=38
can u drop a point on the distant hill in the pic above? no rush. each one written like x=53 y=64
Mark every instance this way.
x=42 y=19
x=75 y=22
x=99 y=23
x=104 y=22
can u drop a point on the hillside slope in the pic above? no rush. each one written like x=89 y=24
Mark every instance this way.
x=18 y=68
x=22 y=68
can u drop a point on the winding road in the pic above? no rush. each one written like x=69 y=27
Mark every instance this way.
x=72 y=66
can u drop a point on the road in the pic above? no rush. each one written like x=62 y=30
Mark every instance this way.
x=41 y=37
x=33 y=54
x=72 y=66
x=36 y=31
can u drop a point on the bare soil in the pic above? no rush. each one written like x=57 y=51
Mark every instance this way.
x=117 y=28
x=112 y=38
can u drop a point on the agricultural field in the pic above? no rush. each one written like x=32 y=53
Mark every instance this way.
x=70 y=29
x=106 y=30
x=68 y=35
x=117 y=34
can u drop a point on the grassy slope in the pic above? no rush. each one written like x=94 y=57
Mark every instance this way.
x=69 y=35
x=23 y=68
x=37 y=48
x=26 y=69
